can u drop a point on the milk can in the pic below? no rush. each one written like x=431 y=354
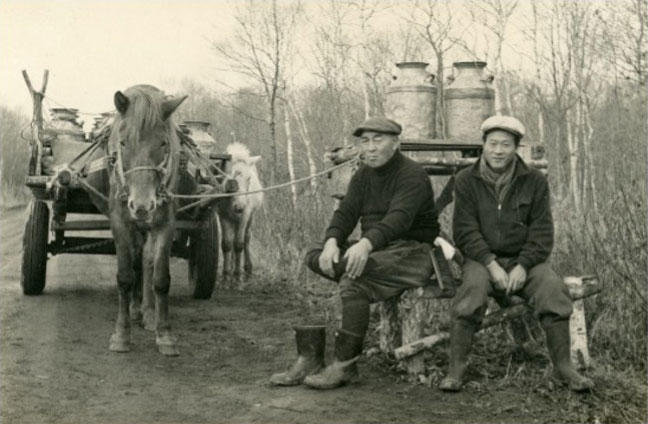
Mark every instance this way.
x=411 y=100
x=64 y=121
x=200 y=132
x=469 y=100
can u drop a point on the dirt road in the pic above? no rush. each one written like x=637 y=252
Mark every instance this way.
x=56 y=367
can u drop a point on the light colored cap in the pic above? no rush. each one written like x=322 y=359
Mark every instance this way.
x=506 y=123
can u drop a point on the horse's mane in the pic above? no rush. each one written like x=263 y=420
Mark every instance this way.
x=144 y=111
x=238 y=151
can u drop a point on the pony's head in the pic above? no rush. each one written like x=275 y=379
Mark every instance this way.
x=244 y=172
x=146 y=143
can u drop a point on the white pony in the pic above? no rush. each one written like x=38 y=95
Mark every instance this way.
x=236 y=213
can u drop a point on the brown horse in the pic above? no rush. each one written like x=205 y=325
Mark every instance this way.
x=145 y=150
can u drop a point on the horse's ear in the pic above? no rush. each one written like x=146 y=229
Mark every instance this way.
x=252 y=160
x=121 y=102
x=169 y=106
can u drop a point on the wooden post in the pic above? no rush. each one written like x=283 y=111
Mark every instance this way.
x=37 y=122
x=577 y=328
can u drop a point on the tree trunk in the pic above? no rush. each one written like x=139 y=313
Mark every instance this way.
x=303 y=129
x=289 y=156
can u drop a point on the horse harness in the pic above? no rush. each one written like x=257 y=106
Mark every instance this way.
x=163 y=169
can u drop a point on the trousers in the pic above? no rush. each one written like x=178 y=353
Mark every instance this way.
x=543 y=289
x=401 y=265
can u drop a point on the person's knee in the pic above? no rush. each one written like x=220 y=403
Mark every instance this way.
x=311 y=260
x=552 y=300
x=470 y=309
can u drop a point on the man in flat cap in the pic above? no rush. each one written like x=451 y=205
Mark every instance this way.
x=503 y=226
x=391 y=196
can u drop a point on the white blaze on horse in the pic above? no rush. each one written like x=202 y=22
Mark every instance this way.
x=237 y=213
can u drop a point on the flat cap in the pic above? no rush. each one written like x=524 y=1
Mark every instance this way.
x=380 y=125
x=506 y=123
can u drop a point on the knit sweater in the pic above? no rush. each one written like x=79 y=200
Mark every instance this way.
x=394 y=201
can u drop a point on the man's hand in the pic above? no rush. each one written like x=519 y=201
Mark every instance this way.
x=516 y=278
x=330 y=255
x=357 y=256
x=498 y=275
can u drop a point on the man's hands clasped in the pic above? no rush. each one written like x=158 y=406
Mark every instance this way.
x=511 y=282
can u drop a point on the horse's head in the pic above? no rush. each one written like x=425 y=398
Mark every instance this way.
x=245 y=174
x=145 y=140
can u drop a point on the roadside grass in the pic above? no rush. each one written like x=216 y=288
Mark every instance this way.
x=611 y=243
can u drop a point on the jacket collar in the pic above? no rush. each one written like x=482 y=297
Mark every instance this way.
x=521 y=169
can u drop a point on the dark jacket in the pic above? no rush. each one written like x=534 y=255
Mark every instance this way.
x=392 y=202
x=521 y=227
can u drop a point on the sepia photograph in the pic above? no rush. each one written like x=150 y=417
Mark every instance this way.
x=323 y=211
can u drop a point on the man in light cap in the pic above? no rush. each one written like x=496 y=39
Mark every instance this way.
x=391 y=196
x=503 y=226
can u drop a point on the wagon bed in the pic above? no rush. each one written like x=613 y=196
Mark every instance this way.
x=57 y=194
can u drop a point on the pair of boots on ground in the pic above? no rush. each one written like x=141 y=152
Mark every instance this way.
x=309 y=368
x=558 y=344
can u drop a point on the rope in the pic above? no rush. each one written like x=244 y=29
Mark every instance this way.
x=206 y=197
x=79 y=112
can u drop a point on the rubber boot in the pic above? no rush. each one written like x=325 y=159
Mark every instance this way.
x=311 y=342
x=559 y=347
x=461 y=340
x=343 y=370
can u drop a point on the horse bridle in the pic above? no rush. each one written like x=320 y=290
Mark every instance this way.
x=163 y=169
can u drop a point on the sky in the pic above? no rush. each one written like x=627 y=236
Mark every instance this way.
x=93 y=48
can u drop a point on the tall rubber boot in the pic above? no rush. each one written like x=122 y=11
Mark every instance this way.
x=311 y=342
x=343 y=370
x=559 y=346
x=461 y=340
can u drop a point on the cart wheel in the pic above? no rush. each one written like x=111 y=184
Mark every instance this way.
x=34 y=259
x=203 y=258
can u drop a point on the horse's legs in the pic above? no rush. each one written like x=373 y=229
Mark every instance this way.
x=120 y=339
x=160 y=246
x=136 y=299
x=239 y=244
x=226 y=245
x=248 y=257
x=148 y=303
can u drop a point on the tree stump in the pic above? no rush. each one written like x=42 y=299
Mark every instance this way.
x=389 y=327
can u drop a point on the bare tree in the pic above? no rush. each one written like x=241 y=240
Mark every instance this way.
x=433 y=21
x=258 y=52
x=495 y=16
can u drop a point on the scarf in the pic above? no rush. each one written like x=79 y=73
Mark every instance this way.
x=501 y=181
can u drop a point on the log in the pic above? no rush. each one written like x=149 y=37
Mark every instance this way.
x=577 y=327
x=588 y=286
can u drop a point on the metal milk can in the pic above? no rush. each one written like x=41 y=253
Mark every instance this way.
x=411 y=101
x=64 y=121
x=69 y=135
x=200 y=132
x=469 y=100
